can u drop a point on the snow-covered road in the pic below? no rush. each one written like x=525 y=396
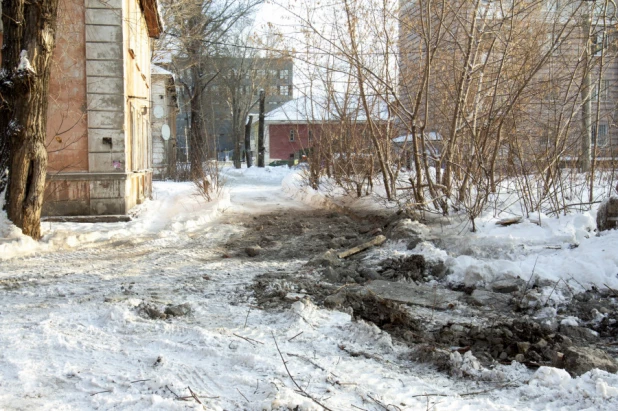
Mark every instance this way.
x=72 y=336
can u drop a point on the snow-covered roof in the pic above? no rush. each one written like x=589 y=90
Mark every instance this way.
x=429 y=135
x=154 y=69
x=322 y=109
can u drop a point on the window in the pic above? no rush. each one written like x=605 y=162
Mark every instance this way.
x=601 y=141
x=283 y=90
x=553 y=5
x=272 y=73
x=284 y=75
x=310 y=136
x=601 y=10
x=261 y=73
x=604 y=94
x=599 y=42
x=292 y=135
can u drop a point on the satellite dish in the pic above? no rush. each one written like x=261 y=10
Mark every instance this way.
x=159 y=112
x=165 y=132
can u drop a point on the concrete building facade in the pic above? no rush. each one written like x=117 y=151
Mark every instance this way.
x=548 y=116
x=163 y=122
x=98 y=141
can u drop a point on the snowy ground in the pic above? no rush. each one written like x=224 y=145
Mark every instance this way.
x=72 y=337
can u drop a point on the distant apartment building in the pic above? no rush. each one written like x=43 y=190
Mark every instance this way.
x=559 y=41
x=235 y=85
x=231 y=89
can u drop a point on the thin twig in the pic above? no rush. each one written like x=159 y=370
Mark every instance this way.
x=552 y=291
x=243 y=395
x=176 y=395
x=136 y=381
x=194 y=395
x=292 y=378
x=386 y=407
x=507 y=385
x=611 y=289
x=580 y=284
x=528 y=283
x=428 y=395
x=309 y=360
x=295 y=336
x=247 y=318
x=378 y=402
x=100 y=392
x=467 y=394
x=249 y=340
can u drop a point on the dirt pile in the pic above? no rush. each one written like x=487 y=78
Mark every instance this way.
x=497 y=323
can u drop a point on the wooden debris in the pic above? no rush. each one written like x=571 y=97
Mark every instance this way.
x=505 y=222
x=379 y=240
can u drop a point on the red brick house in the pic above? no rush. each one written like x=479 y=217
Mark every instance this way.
x=294 y=128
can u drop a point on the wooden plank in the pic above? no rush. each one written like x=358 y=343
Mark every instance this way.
x=379 y=240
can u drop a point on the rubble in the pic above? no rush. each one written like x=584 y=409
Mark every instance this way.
x=327 y=259
x=178 y=310
x=414 y=267
x=253 y=251
x=508 y=285
x=421 y=295
x=463 y=330
x=579 y=360
x=607 y=215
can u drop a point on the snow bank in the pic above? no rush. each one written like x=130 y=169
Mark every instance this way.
x=560 y=249
x=176 y=208
x=294 y=184
x=595 y=384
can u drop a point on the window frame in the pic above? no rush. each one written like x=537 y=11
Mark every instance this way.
x=604 y=137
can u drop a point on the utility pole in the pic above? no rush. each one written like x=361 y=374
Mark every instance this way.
x=261 y=149
x=248 y=154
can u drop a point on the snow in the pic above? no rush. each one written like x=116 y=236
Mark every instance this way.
x=177 y=209
x=308 y=109
x=154 y=69
x=24 y=63
x=565 y=249
x=72 y=337
x=407 y=138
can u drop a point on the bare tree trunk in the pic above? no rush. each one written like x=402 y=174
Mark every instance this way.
x=29 y=41
x=585 y=94
x=196 y=138
x=197 y=135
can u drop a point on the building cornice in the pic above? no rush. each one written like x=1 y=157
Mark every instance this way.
x=153 y=18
